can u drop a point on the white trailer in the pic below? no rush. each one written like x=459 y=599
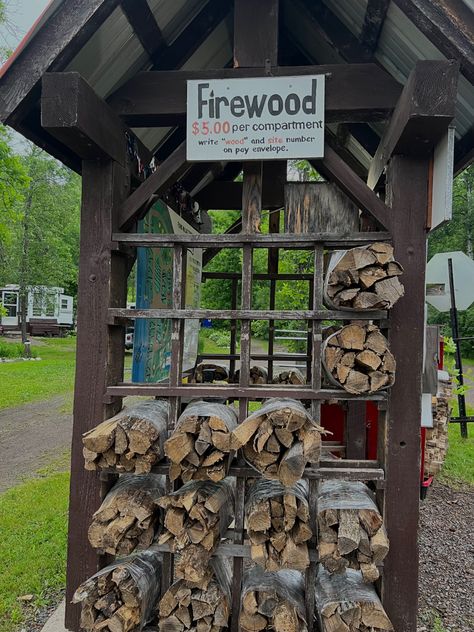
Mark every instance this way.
x=49 y=310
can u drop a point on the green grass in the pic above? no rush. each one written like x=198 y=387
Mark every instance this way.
x=22 y=382
x=10 y=349
x=459 y=465
x=33 y=527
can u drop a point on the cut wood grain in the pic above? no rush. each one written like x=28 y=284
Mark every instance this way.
x=357 y=358
x=289 y=377
x=436 y=444
x=351 y=529
x=257 y=375
x=208 y=372
x=200 y=446
x=122 y=596
x=196 y=517
x=132 y=441
x=363 y=278
x=279 y=440
x=278 y=527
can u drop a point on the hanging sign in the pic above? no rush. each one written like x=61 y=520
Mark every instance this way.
x=263 y=118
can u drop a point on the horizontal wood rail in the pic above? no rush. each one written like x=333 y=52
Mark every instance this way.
x=280 y=240
x=116 y=314
x=234 y=391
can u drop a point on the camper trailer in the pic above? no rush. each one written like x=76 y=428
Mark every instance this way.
x=49 y=311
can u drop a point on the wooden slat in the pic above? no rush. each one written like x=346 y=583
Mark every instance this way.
x=373 y=23
x=143 y=23
x=256 y=26
x=117 y=313
x=232 y=240
x=425 y=109
x=356 y=432
x=234 y=391
x=221 y=196
x=354 y=92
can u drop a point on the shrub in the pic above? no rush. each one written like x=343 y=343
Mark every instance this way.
x=14 y=350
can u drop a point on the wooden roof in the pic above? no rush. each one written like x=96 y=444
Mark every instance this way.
x=111 y=43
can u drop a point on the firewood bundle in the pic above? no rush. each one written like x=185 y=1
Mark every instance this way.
x=199 y=448
x=272 y=601
x=258 y=375
x=121 y=596
x=351 y=529
x=289 y=377
x=128 y=518
x=357 y=358
x=208 y=372
x=132 y=441
x=185 y=607
x=279 y=440
x=363 y=278
x=277 y=520
x=346 y=604
x=196 y=517
x=436 y=444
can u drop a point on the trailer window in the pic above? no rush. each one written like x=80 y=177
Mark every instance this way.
x=37 y=304
x=10 y=303
x=64 y=303
x=50 y=305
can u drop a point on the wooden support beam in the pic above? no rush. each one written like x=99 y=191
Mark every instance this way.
x=100 y=353
x=259 y=46
x=199 y=29
x=53 y=47
x=449 y=25
x=407 y=190
x=354 y=92
x=373 y=23
x=425 y=109
x=222 y=195
x=333 y=168
x=73 y=113
x=355 y=435
x=164 y=177
x=144 y=25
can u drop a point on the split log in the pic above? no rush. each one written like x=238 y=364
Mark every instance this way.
x=277 y=519
x=128 y=518
x=346 y=604
x=184 y=607
x=290 y=377
x=279 y=440
x=272 y=601
x=199 y=448
x=258 y=375
x=351 y=529
x=357 y=358
x=436 y=444
x=196 y=517
x=121 y=597
x=363 y=278
x=208 y=372
x=132 y=441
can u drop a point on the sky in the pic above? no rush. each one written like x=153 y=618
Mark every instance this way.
x=21 y=16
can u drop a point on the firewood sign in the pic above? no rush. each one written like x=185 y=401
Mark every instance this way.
x=256 y=119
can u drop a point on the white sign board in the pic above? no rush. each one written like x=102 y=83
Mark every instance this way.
x=442 y=188
x=463 y=272
x=265 y=118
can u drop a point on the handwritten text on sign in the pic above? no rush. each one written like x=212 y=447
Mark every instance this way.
x=264 y=118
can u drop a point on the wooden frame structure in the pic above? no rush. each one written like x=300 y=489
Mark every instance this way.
x=92 y=135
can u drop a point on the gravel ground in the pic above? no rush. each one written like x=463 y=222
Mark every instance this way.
x=447 y=559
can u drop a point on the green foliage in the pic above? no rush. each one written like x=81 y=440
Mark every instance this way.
x=33 y=523
x=14 y=350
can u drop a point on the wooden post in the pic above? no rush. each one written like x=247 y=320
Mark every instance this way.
x=100 y=353
x=407 y=192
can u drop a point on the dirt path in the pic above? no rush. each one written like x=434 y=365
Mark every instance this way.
x=31 y=436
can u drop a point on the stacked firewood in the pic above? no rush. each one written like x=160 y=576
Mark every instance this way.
x=208 y=372
x=351 y=529
x=257 y=375
x=272 y=601
x=357 y=358
x=289 y=377
x=185 y=607
x=279 y=440
x=121 y=597
x=132 y=441
x=196 y=517
x=346 y=604
x=363 y=278
x=277 y=520
x=128 y=518
x=436 y=444
x=200 y=446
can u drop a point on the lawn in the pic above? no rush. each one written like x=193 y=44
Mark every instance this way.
x=33 y=524
x=459 y=465
x=22 y=382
